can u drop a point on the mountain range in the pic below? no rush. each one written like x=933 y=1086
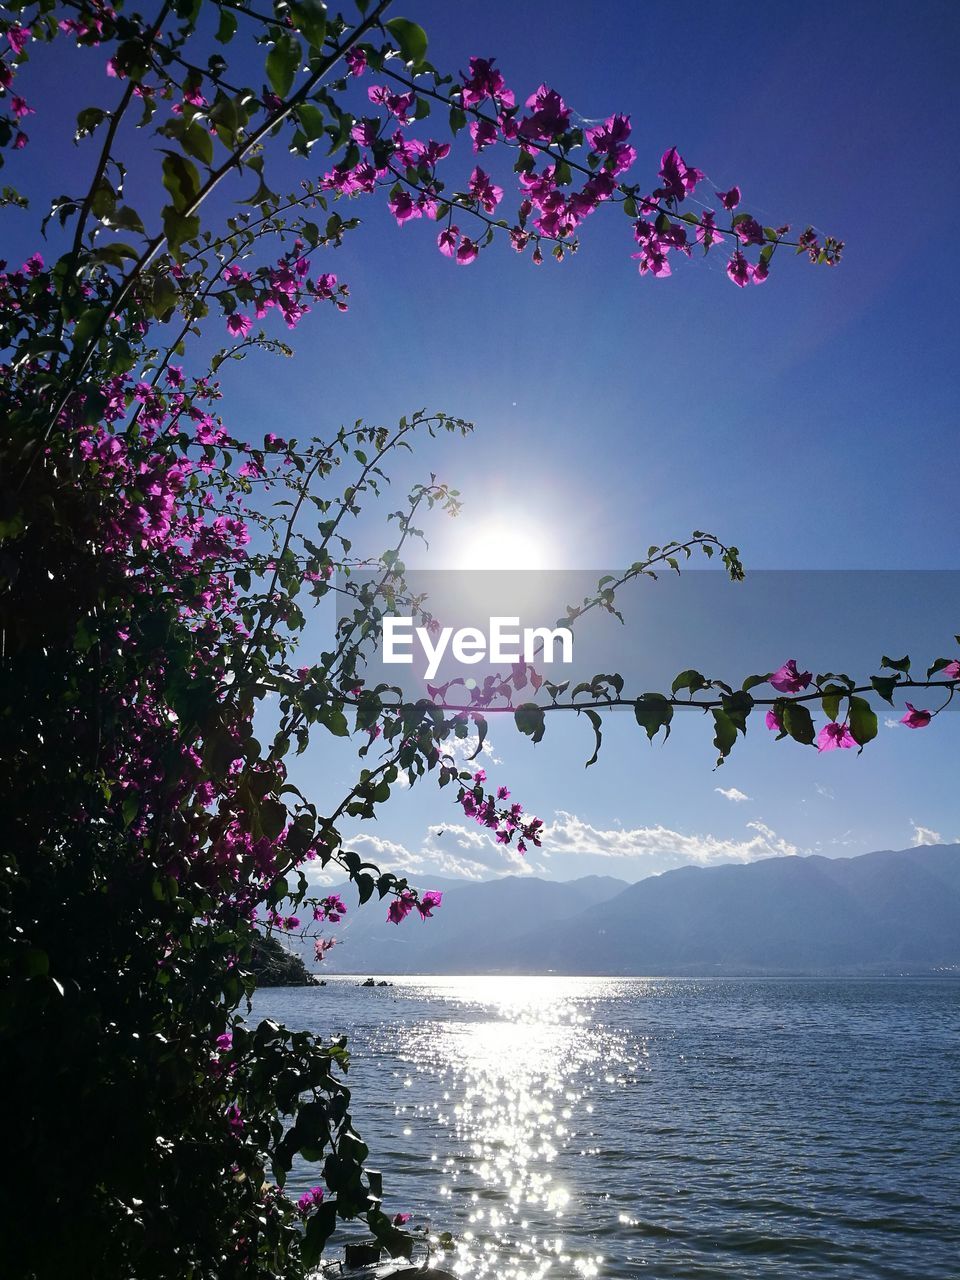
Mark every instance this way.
x=885 y=912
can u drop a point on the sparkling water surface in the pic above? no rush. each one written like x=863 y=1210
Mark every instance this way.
x=682 y=1128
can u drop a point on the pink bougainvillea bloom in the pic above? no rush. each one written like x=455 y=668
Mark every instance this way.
x=429 y=902
x=400 y=1218
x=729 y=199
x=20 y=107
x=402 y=207
x=356 y=62
x=309 y=1199
x=738 y=269
x=467 y=251
x=238 y=324
x=773 y=721
x=401 y=907
x=447 y=244
x=551 y=115
x=679 y=178
x=758 y=272
x=749 y=230
x=485 y=81
x=17 y=38
x=484 y=134
x=707 y=233
x=915 y=719
x=484 y=191
x=832 y=736
x=951 y=671
x=321 y=946
x=225 y=1041
x=788 y=679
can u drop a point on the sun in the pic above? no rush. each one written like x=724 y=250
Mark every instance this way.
x=503 y=543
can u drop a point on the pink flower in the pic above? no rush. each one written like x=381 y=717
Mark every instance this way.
x=447 y=241
x=309 y=1199
x=356 y=62
x=832 y=736
x=238 y=324
x=430 y=900
x=749 y=231
x=485 y=81
x=17 y=38
x=679 y=178
x=484 y=191
x=400 y=1218
x=788 y=679
x=773 y=721
x=551 y=115
x=729 y=199
x=915 y=719
x=951 y=671
x=467 y=251
x=401 y=907
x=483 y=133
x=321 y=946
x=707 y=233
x=738 y=269
x=402 y=207
x=20 y=107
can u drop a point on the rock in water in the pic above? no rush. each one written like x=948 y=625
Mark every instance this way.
x=274 y=966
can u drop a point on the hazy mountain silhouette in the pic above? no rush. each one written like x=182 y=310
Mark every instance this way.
x=886 y=912
x=467 y=933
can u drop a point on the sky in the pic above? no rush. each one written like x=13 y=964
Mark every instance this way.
x=812 y=421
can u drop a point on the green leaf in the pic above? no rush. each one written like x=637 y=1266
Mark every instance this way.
x=310 y=17
x=830 y=701
x=179 y=229
x=897 y=664
x=320 y=1227
x=273 y=818
x=653 y=713
x=725 y=733
x=595 y=720
x=282 y=64
x=88 y=324
x=411 y=40
x=228 y=26
x=885 y=686
x=196 y=142
x=311 y=120
x=529 y=720
x=798 y=722
x=689 y=679
x=863 y=721
x=181 y=179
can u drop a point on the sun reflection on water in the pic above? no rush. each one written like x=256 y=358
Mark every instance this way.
x=516 y=1075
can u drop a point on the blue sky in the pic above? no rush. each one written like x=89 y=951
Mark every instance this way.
x=812 y=421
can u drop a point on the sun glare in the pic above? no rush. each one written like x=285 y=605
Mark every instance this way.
x=503 y=544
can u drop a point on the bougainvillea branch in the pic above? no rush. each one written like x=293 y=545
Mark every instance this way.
x=157 y=573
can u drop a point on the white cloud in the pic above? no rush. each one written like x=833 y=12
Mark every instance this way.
x=464 y=751
x=568 y=834
x=732 y=793
x=827 y=792
x=454 y=850
x=925 y=835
